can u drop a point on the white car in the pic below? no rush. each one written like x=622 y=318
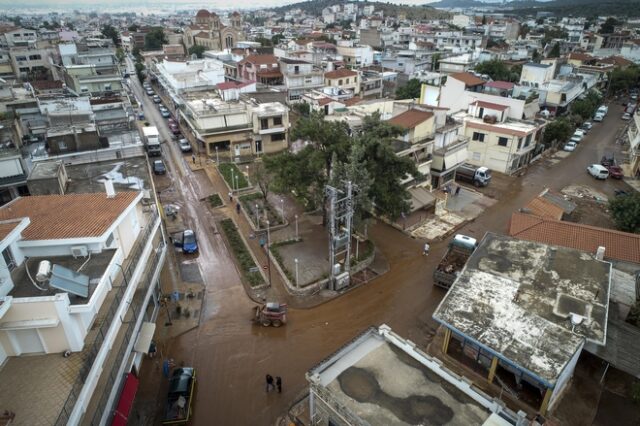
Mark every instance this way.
x=626 y=116
x=587 y=125
x=598 y=117
x=570 y=146
x=598 y=171
x=575 y=138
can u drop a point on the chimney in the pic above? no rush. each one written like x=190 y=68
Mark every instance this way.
x=108 y=186
x=600 y=253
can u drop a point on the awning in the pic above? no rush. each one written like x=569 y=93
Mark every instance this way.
x=420 y=198
x=125 y=402
x=144 y=337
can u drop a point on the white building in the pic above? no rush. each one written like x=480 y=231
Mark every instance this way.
x=179 y=77
x=79 y=274
x=535 y=75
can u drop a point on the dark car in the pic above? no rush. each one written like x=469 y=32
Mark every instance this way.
x=159 y=168
x=174 y=129
x=615 y=172
x=186 y=241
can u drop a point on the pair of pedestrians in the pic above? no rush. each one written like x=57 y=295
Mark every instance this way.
x=270 y=385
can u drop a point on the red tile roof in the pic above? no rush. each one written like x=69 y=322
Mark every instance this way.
x=491 y=105
x=67 y=216
x=260 y=60
x=411 y=118
x=544 y=208
x=579 y=56
x=7 y=227
x=467 y=78
x=501 y=85
x=618 y=245
x=341 y=73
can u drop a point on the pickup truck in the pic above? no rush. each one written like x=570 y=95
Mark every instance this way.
x=454 y=260
x=181 y=388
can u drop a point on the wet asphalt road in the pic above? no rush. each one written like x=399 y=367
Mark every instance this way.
x=232 y=356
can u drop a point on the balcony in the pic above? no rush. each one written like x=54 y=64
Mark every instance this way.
x=450 y=156
x=271 y=130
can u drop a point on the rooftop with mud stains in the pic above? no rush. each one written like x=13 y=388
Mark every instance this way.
x=518 y=298
x=382 y=379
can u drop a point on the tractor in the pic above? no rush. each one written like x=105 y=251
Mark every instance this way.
x=271 y=313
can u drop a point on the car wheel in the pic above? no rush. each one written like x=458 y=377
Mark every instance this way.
x=266 y=322
x=276 y=323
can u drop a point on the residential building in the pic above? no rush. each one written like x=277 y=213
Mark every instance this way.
x=524 y=316
x=209 y=31
x=557 y=94
x=80 y=295
x=634 y=146
x=300 y=77
x=17 y=37
x=30 y=63
x=536 y=75
x=88 y=80
x=450 y=150
x=344 y=79
x=371 y=85
x=270 y=127
x=456 y=64
x=371 y=37
x=451 y=95
x=263 y=69
x=356 y=56
x=195 y=75
x=495 y=141
x=13 y=168
x=346 y=389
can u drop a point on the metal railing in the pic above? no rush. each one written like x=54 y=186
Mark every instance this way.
x=92 y=352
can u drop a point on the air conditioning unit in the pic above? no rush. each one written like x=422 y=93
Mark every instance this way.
x=79 y=251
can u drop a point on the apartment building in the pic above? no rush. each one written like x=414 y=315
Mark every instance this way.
x=344 y=79
x=300 y=77
x=356 y=56
x=270 y=127
x=496 y=141
x=30 y=62
x=263 y=69
x=89 y=80
x=17 y=37
x=181 y=77
x=78 y=301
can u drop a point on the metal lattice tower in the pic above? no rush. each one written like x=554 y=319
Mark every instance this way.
x=340 y=221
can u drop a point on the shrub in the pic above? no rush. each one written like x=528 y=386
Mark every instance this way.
x=226 y=170
x=241 y=253
x=215 y=200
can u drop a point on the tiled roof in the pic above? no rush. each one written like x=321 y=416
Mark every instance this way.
x=618 y=245
x=501 y=85
x=203 y=13
x=467 y=78
x=579 y=56
x=411 y=118
x=544 y=208
x=341 y=73
x=491 y=105
x=7 y=227
x=67 y=216
x=260 y=60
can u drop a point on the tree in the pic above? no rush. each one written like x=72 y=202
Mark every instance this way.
x=197 y=50
x=497 y=70
x=626 y=212
x=302 y=108
x=140 y=71
x=155 y=38
x=484 y=20
x=263 y=178
x=120 y=54
x=536 y=56
x=410 y=90
x=276 y=39
x=552 y=34
x=133 y=28
x=608 y=26
x=264 y=42
x=109 y=31
x=351 y=170
x=435 y=61
x=540 y=21
x=558 y=130
x=587 y=106
x=555 y=51
x=624 y=79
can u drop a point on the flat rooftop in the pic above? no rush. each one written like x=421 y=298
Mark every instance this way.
x=94 y=269
x=516 y=298
x=127 y=174
x=382 y=379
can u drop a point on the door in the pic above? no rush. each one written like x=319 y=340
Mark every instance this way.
x=236 y=150
x=28 y=341
x=258 y=146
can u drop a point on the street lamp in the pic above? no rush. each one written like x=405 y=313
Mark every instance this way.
x=297 y=282
x=237 y=186
x=268 y=257
x=217 y=159
x=257 y=217
x=282 y=208
x=296 y=226
x=247 y=168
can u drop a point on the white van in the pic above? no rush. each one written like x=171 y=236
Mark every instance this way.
x=598 y=171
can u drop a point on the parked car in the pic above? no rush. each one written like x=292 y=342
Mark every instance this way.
x=570 y=146
x=156 y=99
x=608 y=159
x=615 y=172
x=141 y=115
x=587 y=125
x=185 y=146
x=576 y=139
x=150 y=92
x=579 y=133
x=171 y=121
x=186 y=240
x=165 y=113
x=174 y=128
x=159 y=168
x=626 y=116
x=598 y=117
x=598 y=171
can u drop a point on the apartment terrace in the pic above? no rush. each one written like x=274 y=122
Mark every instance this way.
x=57 y=383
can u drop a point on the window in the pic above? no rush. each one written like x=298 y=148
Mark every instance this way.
x=35 y=57
x=347 y=81
x=277 y=121
x=340 y=82
x=264 y=123
x=8 y=259
x=276 y=137
x=21 y=58
x=519 y=143
x=107 y=87
x=502 y=141
x=477 y=136
x=24 y=69
x=528 y=140
x=62 y=145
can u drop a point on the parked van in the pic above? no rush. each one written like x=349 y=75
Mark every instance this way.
x=598 y=171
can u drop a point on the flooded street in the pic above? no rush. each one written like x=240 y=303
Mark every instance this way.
x=232 y=356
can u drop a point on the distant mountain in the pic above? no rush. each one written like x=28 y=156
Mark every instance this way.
x=630 y=8
x=314 y=7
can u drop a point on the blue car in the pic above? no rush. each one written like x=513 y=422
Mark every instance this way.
x=189 y=241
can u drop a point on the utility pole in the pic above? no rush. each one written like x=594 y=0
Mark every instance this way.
x=340 y=221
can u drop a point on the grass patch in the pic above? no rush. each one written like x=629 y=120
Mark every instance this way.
x=276 y=254
x=229 y=169
x=249 y=202
x=214 y=200
x=241 y=253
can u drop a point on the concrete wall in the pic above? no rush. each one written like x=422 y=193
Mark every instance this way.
x=452 y=96
x=563 y=380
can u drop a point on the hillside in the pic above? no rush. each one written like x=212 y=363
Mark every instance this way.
x=314 y=7
x=559 y=7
